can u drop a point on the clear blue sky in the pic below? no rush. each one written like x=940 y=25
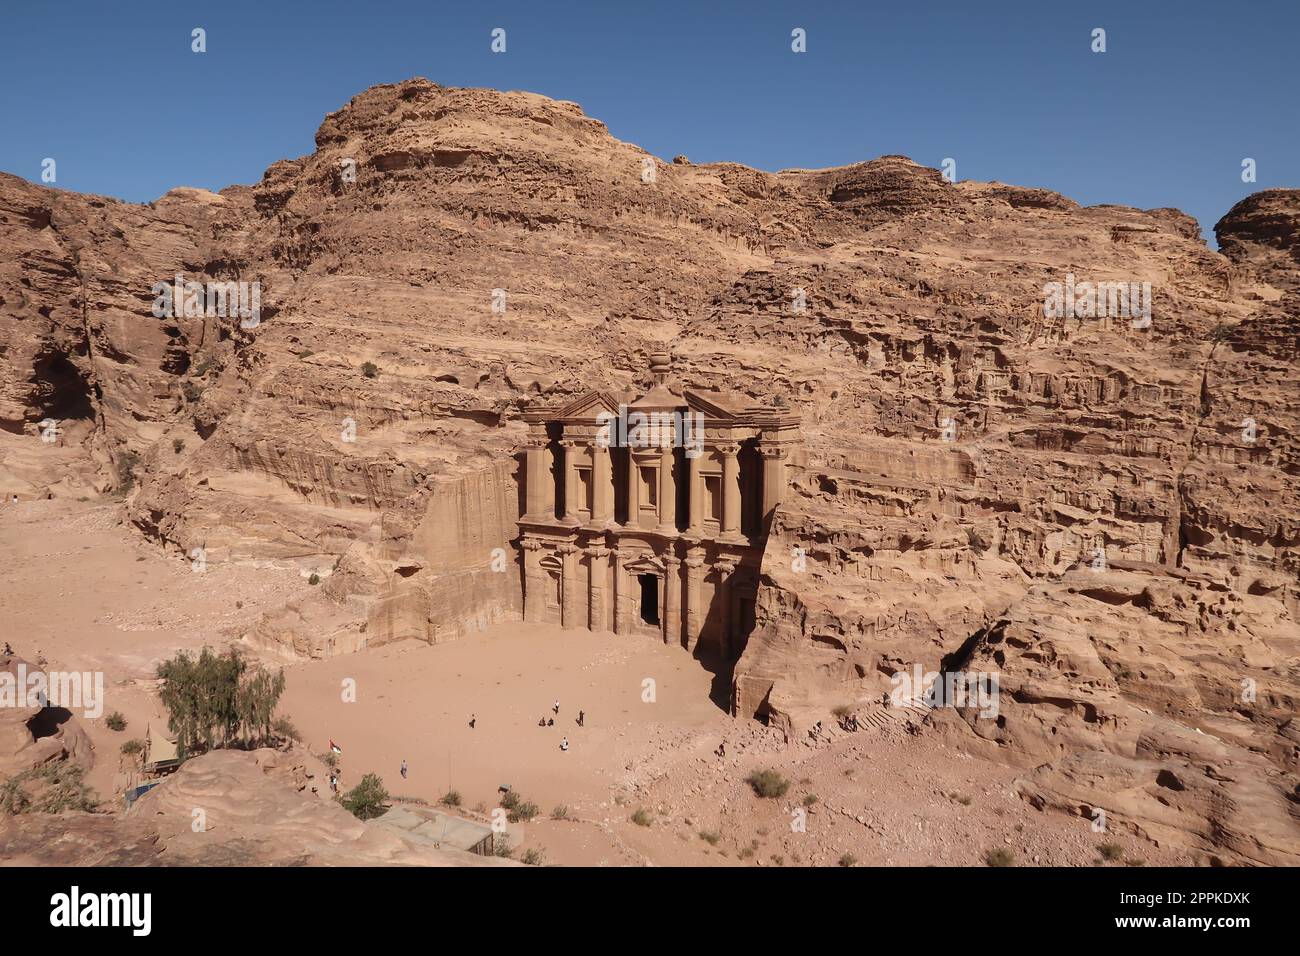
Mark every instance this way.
x=1011 y=90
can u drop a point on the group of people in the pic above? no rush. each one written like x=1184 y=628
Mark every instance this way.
x=473 y=721
x=545 y=721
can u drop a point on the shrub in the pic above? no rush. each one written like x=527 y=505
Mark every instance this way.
x=768 y=783
x=1000 y=856
x=977 y=542
x=518 y=808
x=369 y=369
x=1112 y=851
x=178 y=445
x=711 y=837
x=314 y=579
x=848 y=859
x=115 y=721
x=560 y=813
x=366 y=800
x=133 y=747
x=191 y=391
x=451 y=798
x=533 y=857
x=502 y=846
x=810 y=799
x=49 y=788
x=641 y=817
x=126 y=465
x=842 y=711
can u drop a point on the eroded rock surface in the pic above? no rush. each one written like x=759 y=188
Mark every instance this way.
x=257 y=810
x=1104 y=513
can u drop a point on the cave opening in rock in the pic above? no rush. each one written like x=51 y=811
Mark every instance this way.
x=62 y=390
x=48 y=721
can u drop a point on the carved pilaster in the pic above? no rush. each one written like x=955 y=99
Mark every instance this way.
x=597 y=615
x=572 y=507
x=730 y=489
x=622 y=591
x=602 y=486
x=694 y=619
x=539 y=487
x=725 y=568
x=534 y=585
x=667 y=491
x=774 y=475
x=672 y=612
x=569 y=585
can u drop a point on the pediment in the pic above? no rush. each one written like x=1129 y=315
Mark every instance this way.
x=590 y=404
x=708 y=406
x=645 y=564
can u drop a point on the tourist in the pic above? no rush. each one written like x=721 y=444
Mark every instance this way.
x=556 y=707
x=9 y=651
x=550 y=721
x=564 y=744
x=472 y=721
x=403 y=769
x=580 y=717
x=541 y=722
x=722 y=749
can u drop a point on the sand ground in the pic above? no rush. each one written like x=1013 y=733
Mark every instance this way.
x=85 y=592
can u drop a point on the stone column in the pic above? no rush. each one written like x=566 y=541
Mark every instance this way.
x=667 y=492
x=602 y=486
x=774 y=457
x=534 y=586
x=598 y=618
x=539 y=488
x=725 y=569
x=695 y=495
x=622 y=591
x=633 y=491
x=730 y=490
x=694 y=620
x=569 y=586
x=672 y=614
x=570 y=479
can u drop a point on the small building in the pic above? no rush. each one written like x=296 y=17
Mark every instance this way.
x=649 y=514
x=438 y=829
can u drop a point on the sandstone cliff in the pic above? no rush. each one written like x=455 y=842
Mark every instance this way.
x=1103 y=511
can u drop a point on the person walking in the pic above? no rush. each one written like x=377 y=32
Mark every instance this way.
x=472 y=721
x=556 y=707
x=403 y=769
x=564 y=744
x=581 y=715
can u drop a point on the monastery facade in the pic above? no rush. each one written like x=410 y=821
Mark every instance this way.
x=649 y=515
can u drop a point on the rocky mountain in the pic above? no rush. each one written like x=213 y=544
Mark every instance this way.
x=1099 y=508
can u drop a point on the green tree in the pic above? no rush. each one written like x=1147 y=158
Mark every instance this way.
x=367 y=799
x=218 y=700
